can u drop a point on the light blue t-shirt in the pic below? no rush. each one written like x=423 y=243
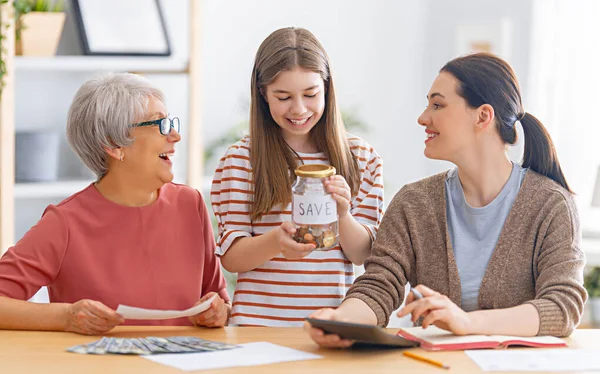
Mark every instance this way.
x=474 y=232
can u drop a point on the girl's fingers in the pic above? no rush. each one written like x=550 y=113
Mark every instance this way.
x=337 y=179
x=340 y=199
x=339 y=190
x=299 y=247
x=289 y=226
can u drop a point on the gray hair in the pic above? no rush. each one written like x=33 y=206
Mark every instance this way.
x=101 y=115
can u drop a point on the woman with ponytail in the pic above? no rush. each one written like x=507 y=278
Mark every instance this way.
x=492 y=246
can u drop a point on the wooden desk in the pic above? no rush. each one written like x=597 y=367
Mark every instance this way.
x=44 y=352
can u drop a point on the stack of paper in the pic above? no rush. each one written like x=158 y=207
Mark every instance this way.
x=251 y=354
x=537 y=360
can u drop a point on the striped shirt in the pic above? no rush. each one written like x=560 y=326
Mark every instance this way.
x=283 y=292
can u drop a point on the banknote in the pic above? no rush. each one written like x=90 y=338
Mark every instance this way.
x=149 y=345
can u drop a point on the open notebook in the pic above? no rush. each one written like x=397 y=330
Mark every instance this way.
x=436 y=339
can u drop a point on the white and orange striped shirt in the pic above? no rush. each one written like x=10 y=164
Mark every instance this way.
x=283 y=292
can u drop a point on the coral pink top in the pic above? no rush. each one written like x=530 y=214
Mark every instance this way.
x=160 y=256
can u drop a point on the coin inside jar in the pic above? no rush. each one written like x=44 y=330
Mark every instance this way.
x=317 y=235
x=328 y=239
x=314 y=211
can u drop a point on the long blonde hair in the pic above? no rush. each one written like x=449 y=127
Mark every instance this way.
x=284 y=50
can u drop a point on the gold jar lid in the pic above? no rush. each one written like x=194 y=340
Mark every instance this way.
x=315 y=171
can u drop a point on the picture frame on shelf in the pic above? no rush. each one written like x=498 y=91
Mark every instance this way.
x=122 y=27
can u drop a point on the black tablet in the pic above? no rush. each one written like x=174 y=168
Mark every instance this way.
x=367 y=334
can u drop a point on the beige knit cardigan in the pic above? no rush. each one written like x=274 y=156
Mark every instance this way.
x=537 y=260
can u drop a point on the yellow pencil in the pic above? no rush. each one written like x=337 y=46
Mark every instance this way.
x=425 y=359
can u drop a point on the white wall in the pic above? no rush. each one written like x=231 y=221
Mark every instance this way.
x=443 y=18
x=565 y=82
x=377 y=52
x=385 y=54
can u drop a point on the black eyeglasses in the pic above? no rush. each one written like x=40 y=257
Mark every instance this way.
x=164 y=124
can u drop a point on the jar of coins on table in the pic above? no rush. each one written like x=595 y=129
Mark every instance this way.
x=314 y=211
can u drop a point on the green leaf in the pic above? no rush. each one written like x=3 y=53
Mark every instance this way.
x=591 y=282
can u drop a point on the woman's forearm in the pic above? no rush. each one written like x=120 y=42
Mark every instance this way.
x=522 y=320
x=357 y=311
x=246 y=254
x=25 y=315
x=354 y=240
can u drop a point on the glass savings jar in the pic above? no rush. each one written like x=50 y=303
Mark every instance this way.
x=314 y=211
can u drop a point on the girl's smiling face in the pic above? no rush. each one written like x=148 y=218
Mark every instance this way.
x=296 y=101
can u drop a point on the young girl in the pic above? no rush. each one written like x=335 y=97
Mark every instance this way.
x=294 y=119
x=493 y=247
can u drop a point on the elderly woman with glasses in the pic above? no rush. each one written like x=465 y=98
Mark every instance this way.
x=133 y=237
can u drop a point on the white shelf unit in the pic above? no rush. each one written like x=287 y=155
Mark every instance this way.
x=39 y=91
x=38 y=190
x=98 y=63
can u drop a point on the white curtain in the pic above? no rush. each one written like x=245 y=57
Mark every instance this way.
x=564 y=90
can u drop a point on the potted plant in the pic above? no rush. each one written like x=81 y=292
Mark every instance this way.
x=38 y=26
x=592 y=285
x=3 y=51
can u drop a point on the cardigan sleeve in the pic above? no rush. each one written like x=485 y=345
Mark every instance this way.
x=390 y=266
x=558 y=270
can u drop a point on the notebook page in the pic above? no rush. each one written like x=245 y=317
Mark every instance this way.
x=532 y=339
x=437 y=336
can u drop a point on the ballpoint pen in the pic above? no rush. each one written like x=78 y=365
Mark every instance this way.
x=416 y=292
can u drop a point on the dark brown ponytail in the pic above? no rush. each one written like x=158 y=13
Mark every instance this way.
x=487 y=79
x=539 y=154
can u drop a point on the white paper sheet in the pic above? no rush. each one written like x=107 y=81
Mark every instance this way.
x=534 y=359
x=251 y=354
x=129 y=312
